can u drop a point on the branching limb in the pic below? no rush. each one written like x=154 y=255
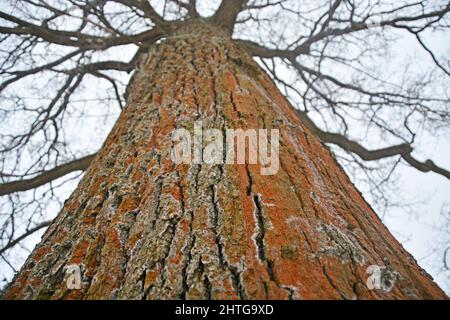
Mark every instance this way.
x=47 y=176
x=26 y=234
x=403 y=150
x=227 y=13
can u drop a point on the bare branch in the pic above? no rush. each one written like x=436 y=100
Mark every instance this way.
x=403 y=150
x=21 y=74
x=26 y=234
x=146 y=7
x=47 y=176
x=75 y=38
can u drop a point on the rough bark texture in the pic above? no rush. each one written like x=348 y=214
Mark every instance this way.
x=141 y=227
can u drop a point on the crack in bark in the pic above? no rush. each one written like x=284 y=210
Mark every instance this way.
x=206 y=282
x=237 y=282
x=158 y=191
x=235 y=274
x=259 y=238
x=215 y=225
x=184 y=275
x=331 y=282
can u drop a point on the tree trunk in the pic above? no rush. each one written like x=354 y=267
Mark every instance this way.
x=142 y=227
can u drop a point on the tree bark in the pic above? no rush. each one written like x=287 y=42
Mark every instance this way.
x=141 y=227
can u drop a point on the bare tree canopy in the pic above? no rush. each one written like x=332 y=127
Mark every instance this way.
x=65 y=66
